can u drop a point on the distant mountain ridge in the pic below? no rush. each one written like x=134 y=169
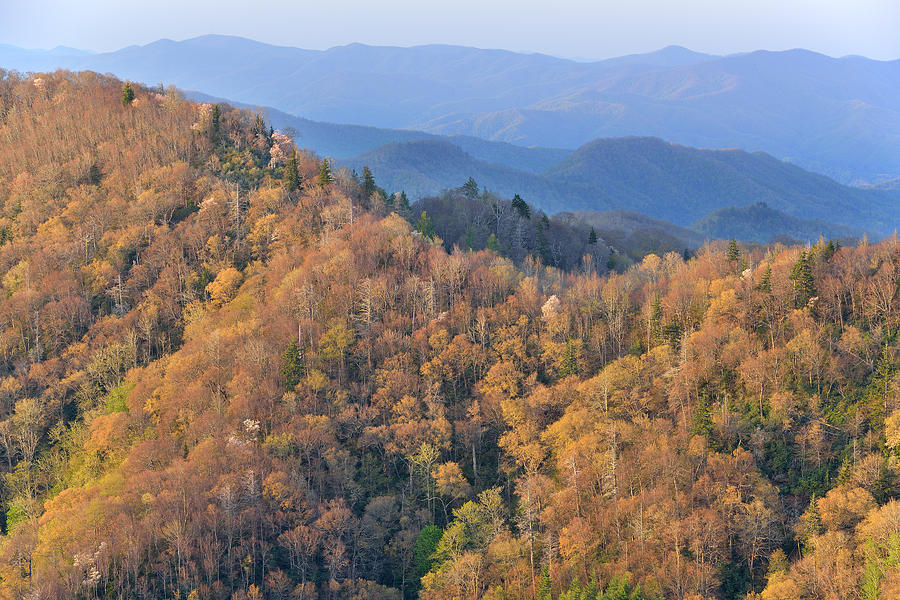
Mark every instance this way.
x=646 y=175
x=761 y=223
x=346 y=141
x=839 y=116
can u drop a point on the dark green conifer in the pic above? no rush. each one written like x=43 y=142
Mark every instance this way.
x=127 y=94
x=702 y=422
x=543 y=247
x=733 y=253
x=672 y=333
x=325 y=176
x=804 y=284
x=214 y=124
x=259 y=127
x=545 y=587
x=521 y=207
x=765 y=284
x=291 y=173
x=656 y=314
x=470 y=239
x=470 y=189
x=569 y=365
x=292 y=365
x=368 y=182
x=425 y=546
x=592 y=237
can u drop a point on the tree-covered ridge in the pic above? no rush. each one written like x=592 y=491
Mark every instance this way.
x=229 y=372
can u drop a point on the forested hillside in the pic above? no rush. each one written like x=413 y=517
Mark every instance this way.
x=230 y=373
x=761 y=223
x=651 y=176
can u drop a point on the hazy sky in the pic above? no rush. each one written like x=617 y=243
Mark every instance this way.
x=576 y=28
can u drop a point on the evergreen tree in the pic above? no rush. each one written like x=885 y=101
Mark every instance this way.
x=656 y=317
x=811 y=524
x=291 y=173
x=592 y=237
x=569 y=365
x=686 y=255
x=259 y=127
x=426 y=544
x=702 y=422
x=95 y=175
x=544 y=588
x=492 y=243
x=214 y=124
x=765 y=285
x=733 y=253
x=521 y=207
x=470 y=189
x=672 y=333
x=804 y=284
x=127 y=94
x=292 y=365
x=368 y=182
x=880 y=388
x=404 y=201
x=325 y=176
x=470 y=238
x=425 y=226
x=543 y=247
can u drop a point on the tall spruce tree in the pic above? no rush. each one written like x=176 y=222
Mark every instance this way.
x=804 y=284
x=733 y=253
x=127 y=94
x=470 y=189
x=368 y=182
x=765 y=284
x=521 y=207
x=214 y=126
x=291 y=173
x=325 y=176
x=545 y=586
x=592 y=237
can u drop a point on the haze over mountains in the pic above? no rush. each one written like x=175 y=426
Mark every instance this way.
x=838 y=116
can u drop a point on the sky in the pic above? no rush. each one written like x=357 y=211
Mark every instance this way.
x=570 y=28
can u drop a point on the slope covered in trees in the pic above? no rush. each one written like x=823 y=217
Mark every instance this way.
x=646 y=175
x=684 y=184
x=761 y=223
x=228 y=373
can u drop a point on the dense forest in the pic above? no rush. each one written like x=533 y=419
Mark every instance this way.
x=229 y=372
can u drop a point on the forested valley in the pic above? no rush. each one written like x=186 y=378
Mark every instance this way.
x=228 y=371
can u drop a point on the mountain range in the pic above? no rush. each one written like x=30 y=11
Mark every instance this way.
x=838 y=116
x=647 y=175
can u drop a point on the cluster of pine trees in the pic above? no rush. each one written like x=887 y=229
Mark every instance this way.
x=228 y=372
x=473 y=220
